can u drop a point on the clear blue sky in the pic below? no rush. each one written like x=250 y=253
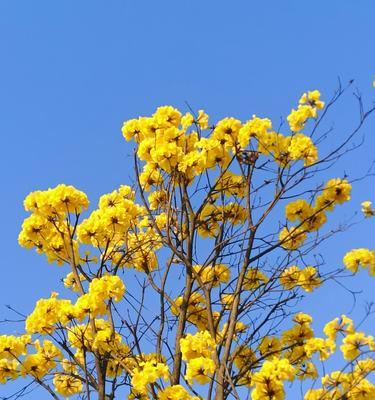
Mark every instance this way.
x=71 y=72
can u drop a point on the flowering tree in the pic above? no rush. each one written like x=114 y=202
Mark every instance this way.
x=215 y=268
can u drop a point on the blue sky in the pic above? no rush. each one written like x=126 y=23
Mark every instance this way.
x=72 y=71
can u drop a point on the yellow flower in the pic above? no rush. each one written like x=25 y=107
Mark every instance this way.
x=67 y=385
x=61 y=199
x=312 y=98
x=290 y=277
x=231 y=184
x=214 y=275
x=309 y=279
x=298 y=210
x=150 y=176
x=302 y=318
x=167 y=116
x=297 y=118
x=199 y=345
x=202 y=119
x=71 y=283
x=337 y=190
x=270 y=345
x=34 y=365
x=315 y=220
x=353 y=343
x=325 y=347
x=360 y=257
x=307 y=371
x=362 y=390
x=243 y=356
x=301 y=147
x=13 y=346
x=187 y=120
x=49 y=312
x=226 y=131
x=254 y=128
x=175 y=392
x=148 y=372
x=293 y=238
x=227 y=300
x=131 y=129
x=367 y=209
x=297 y=334
x=253 y=279
x=9 y=369
x=200 y=370
x=268 y=380
x=343 y=325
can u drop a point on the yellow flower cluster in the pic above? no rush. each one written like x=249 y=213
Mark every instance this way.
x=175 y=392
x=60 y=200
x=343 y=325
x=44 y=360
x=308 y=278
x=268 y=381
x=211 y=215
x=100 y=338
x=231 y=184
x=36 y=365
x=9 y=369
x=367 y=209
x=48 y=228
x=121 y=228
x=336 y=191
x=199 y=345
x=147 y=372
x=360 y=257
x=346 y=385
x=167 y=143
x=253 y=279
x=269 y=346
x=212 y=275
x=353 y=343
x=71 y=282
x=292 y=238
x=48 y=312
x=67 y=384
x=199 y=370
x=291 y=356
x=311 y=217
x=309 y=103
x=353 y=384
x=108 y=287
x=196 y=310
x=283 y=149
x=197 y=350
x=227 y=300
x=117 y=212
x=239 y=328
x=243 y=356
x=11 y=348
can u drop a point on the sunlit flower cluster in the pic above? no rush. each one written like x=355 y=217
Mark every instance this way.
x=190 y=230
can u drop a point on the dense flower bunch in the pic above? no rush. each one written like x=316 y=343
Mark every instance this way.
x=360 y=257
x=206 y=310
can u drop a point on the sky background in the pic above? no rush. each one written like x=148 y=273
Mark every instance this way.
x=72 y=71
